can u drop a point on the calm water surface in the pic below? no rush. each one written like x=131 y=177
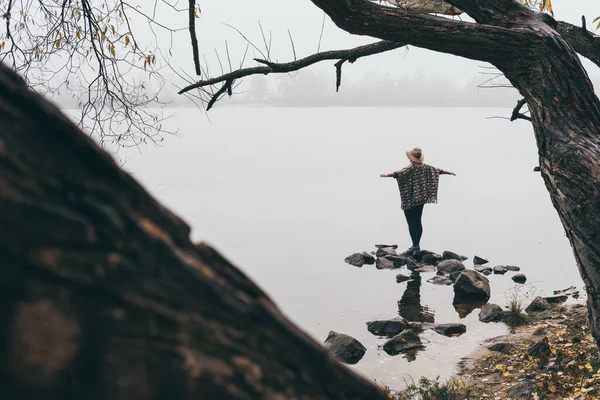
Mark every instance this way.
x=288 y=193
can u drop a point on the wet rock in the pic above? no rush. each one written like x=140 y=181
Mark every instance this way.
x=388 y=328
x=399 y=261
x=344 y=347
x=425 y=268
x=405 y=341
x=453 y=276
x=418 y=255
x=452 y=329
x=448 y=266
x=491 y=313
x=522 y=390
x=385 y=251
x=384 y=263
x=402 y=278
x=540 y=349
x=561 y=298
x=381 y=246
x=519 y=278
x=464 y=307
x=440 y=280
x=464 y=258
x=504 y=348
x=512 y=268
x=472 y=285
x=368 y=259
x=538 y=304
x=431 y=259
x=448 y=255
x=356 y=259
x=499 y=270
x=479 y=261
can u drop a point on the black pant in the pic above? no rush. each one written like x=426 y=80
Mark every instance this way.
x=413 y=217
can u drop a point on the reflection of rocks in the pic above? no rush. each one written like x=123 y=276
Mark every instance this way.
x=479 y=261
x=388 y=328
x=464 y=307
x=491 y=313
x=472 y=285
x=452 y=329
x=538 y=304
x=440 y=280
x=448 y=266
x=344 y=347
x=519 y=278
x=409 y=306
x=407 y=340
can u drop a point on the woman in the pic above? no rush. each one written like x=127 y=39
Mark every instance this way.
x=418 y=184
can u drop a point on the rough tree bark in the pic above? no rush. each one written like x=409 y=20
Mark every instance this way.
x=103 y=296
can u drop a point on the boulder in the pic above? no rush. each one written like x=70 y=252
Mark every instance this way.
x=368 y=258
x=381 y=246
x=448 y=266
x=561 y=298
x=479 y=261
x=448 y=255
x=504 y=348
x=388 y=328
x=538 y=304
x=453 y=276
x=519 y=278
x=384 y=263
x=385 y=251
x=405 y=341
x=402 y=278
x=522 y=390
x=491 y=313
x=472 y=285
x=452 y=329
x=512 y=268
x=344 y=347
x=431 y=259
x=464 y=307
x=440 y=280
x=418 y=255
x=356 y=259
x=499 y=270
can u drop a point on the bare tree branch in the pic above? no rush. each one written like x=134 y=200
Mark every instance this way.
x=516 y=114
x=582 y=41
x=193 y=37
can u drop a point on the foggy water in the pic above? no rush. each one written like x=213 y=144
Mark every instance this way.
x=287 y=193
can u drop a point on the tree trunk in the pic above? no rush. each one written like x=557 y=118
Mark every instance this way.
x=104 y=296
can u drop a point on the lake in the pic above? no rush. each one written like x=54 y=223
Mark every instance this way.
x=287 y=193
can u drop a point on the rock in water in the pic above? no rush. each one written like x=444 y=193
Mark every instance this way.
x=538 y=304
x=385 y=251
x=388 y=328
x=499 y=270
x=472 y=285
x=384 y=263
x=483 y=270
x=479 y=261
x=399 y=261
x=519 y=278
x=368 y=258
x=448 y=266
x=448 y=255
x=407 y=340
x=344 y=347
x=556 y=299
x=453 y=276
x=402 y=278
x=450 y=329
x=356 y=259
x=431 y=259
x=440 y=280
x=381 y=246
x=490 y=313
x=418 y=255
x=512 y=268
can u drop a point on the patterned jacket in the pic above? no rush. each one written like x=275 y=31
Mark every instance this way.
x=418 y=184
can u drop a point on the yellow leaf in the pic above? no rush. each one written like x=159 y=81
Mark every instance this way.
x=126 y=40
x=552 y=388
x=58 y=44
x=589 y=367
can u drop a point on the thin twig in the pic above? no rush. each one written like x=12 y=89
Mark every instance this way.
x=193 y=37
x=292 y=42
x=321 y=36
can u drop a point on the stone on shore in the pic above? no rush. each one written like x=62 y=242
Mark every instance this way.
x=388 y=328
x=405 y=341
x=402 y=278
x=452 y=329
x=440 y=280
x=491 y=313
x=356 y=259
x=344 y=347
x=472 y=285
x=448 y=266
x=538 y=304
x=500 y=270
x=479 y=261
x=448 y=255
x=519 y=278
